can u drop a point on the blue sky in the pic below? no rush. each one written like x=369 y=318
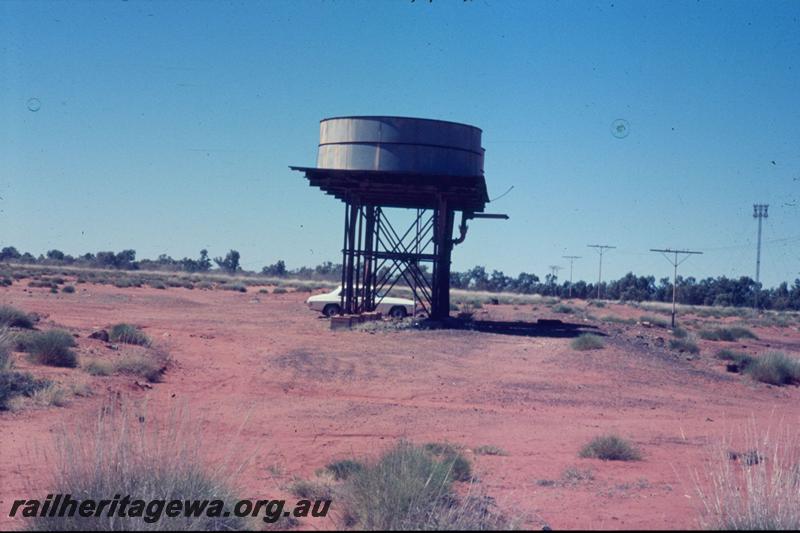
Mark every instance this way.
x=168 y=127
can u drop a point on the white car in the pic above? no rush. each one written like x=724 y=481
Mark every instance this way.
x=329 y=304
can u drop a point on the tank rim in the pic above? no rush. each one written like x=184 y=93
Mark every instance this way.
x=402 y=117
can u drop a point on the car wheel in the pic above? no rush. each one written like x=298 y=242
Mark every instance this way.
x=397 y=312
x=331 y=309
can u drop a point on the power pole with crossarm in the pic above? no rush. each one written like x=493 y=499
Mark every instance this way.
x=675 y=264
x=601 y=248
x=572 y=259
x=759 y=212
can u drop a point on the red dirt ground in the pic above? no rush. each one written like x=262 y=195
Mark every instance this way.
x=310 y=395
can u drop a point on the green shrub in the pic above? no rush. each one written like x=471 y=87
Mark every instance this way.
x=775 y=368
x=69 y=289
x=344 y=469
x=128 y=334
x=610 y=448
x=733 y=333
x=14 y=318
x=52 y=348
x=279 y=290
x=565 y=309
x=587 y=341
x=684 y=345
x=13 y=384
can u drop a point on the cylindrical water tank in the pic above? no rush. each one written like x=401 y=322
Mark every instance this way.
x=400 y=144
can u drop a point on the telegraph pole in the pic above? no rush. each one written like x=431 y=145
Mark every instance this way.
x=601 y=248
x=554 y=272
x=675 y=264
x=759 y=212
x=572 y=259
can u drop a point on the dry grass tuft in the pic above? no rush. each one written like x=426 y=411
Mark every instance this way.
x=123 y=452
x=738 y=492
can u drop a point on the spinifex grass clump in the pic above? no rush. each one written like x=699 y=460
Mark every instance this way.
x=679 y=333
x=450 y=455
x=409 y=488
x=12 y=317
x=489 y=450
x=344 y=469
x=655 y=321
x=13 y=384
x=611 y=448
x=739 y=361
x=52 y=348
x=238 y=287
x=147 y=367
x=684 y=345
x=587 y=341
x=775 y=368
x=125 y=452
x=733 y=333
x=6 y=343
x=128 y=334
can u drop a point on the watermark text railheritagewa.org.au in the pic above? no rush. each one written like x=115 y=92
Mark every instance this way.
x=151 y=511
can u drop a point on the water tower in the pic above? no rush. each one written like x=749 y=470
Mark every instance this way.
x=376 y=164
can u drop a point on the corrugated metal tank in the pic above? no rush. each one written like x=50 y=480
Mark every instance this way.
x=400 y=144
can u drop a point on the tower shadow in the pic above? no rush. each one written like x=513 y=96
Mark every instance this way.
x=540 y=328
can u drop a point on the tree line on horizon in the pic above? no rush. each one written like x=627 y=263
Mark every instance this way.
x=712 y=291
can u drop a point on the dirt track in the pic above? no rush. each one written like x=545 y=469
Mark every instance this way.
x=310 y=395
